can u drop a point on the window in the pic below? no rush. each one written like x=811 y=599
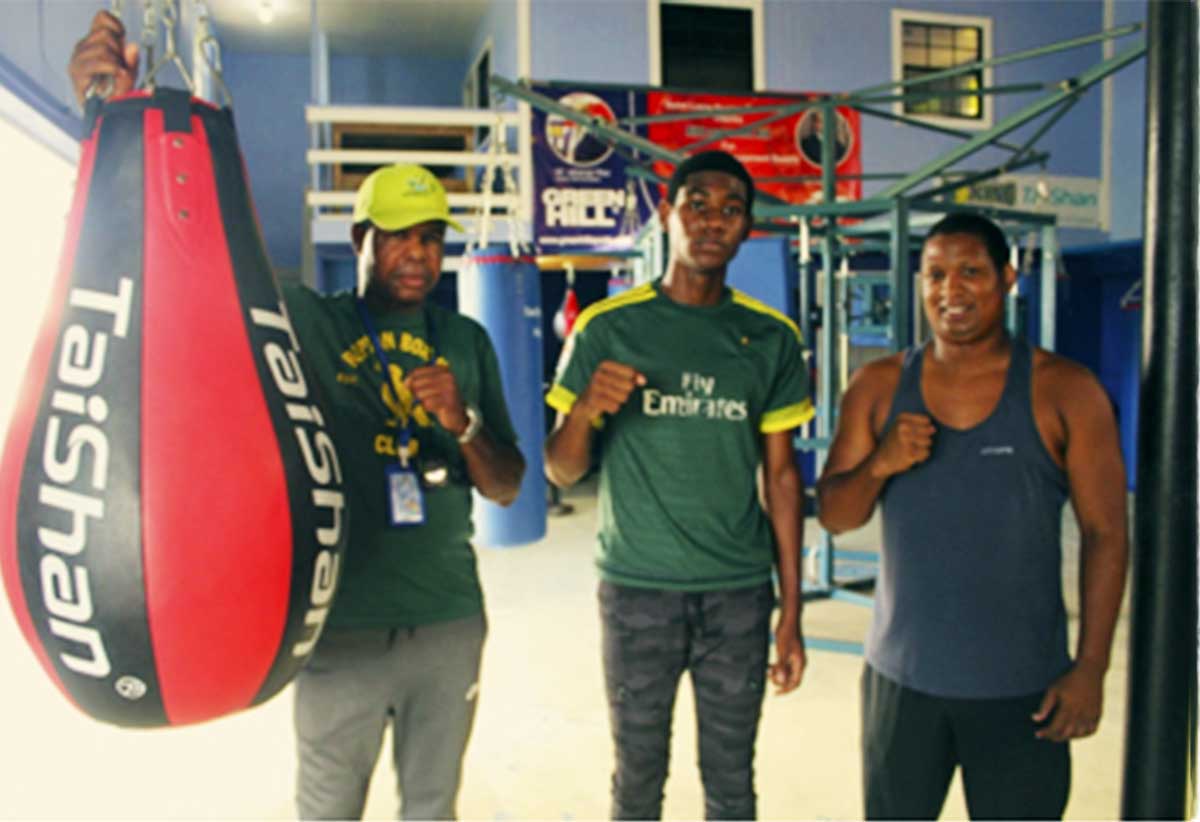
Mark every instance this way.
x=924 y=43
x=706 y=44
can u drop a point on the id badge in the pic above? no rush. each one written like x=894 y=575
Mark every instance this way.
x=406 y=503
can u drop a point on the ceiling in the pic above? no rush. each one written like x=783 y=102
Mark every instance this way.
x=442 y=28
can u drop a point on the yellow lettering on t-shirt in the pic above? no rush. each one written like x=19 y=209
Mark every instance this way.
x=415 y=346
x=357 y=353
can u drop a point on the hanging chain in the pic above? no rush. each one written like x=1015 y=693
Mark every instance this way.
x=208 y=49
x=170 y=20
x=149 y=34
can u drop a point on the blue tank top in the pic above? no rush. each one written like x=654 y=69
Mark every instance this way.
x=968 y=602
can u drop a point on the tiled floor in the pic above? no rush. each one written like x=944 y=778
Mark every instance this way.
x=540 y=749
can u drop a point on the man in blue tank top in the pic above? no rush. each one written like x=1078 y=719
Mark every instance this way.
x=971 y=444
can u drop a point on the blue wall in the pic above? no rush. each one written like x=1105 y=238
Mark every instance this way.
x=38 y=39
x=396 y=81
x=835 y=46
x=274 y=136
x=600 y=42
x=1129 y=135
x=838 y=45
x=811 y=45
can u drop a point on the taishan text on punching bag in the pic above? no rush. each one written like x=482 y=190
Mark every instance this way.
x=171 y=510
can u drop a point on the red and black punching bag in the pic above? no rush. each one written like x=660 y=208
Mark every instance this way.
x=171 y=509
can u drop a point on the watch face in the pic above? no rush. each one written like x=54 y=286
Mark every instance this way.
x=474 y=423
x=434 y=473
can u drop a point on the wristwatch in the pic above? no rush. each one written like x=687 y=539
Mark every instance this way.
x=474 y=423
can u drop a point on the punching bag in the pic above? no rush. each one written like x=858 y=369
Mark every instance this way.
x=171 y=510
x=503 y=293
x=568 y=312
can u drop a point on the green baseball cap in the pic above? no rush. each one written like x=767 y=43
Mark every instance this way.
x=401 y=196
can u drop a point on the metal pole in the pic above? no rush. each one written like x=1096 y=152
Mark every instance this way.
x=827 y=368
x=318 y=87
x=900 y=278
x=1160 y=729
x=1017 y=56
x=807 y=294
x=921 y=124
x=983 y=91
x=1049 y=289
x=1016 y=120
x=972 y=178
x=522 y=92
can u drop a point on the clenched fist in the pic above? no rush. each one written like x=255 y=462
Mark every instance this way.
x=908 y=442
x=609 y=389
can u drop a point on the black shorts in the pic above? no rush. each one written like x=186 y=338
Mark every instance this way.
x=912 y=742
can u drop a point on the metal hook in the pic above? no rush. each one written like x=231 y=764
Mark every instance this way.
x=206 y=41
x=170 y=53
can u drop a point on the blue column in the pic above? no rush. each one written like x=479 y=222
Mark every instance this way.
x=503 y=293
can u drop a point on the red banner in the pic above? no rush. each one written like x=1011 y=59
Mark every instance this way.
x=787 y=147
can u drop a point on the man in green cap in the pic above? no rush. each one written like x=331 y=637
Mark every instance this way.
x=419 y=418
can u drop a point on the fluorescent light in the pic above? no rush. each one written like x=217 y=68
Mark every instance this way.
x=266 y=12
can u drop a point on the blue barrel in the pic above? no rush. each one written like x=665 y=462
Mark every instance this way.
x=618 y=285
x=504 y=294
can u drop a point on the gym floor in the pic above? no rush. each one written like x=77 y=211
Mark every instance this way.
x=540 y=748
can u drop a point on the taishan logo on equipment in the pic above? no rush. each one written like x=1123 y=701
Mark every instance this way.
x=695 y=400
x=79 y=415
x=321 y=460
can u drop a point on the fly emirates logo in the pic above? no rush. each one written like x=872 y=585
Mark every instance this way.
x=696 y=398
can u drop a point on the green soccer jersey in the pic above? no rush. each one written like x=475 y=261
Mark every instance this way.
x=409 y=575
x=679 y=505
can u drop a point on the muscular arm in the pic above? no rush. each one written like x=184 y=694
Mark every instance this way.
x=860 y=461
x=783 y=488
x=1096 y=477
x=569 y=447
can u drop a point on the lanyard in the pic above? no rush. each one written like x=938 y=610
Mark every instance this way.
x=369 y=324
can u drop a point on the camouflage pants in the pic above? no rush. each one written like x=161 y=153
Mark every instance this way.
x=650 y=637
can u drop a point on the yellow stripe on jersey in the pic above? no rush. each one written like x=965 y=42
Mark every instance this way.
x=561 y=399
x=639 y=294
x=791 y=416
x=762 y=308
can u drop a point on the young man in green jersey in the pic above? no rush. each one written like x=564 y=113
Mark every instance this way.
x=419 y=419
x=689 y=388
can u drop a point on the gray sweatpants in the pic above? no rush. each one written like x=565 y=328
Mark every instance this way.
x=423 y=680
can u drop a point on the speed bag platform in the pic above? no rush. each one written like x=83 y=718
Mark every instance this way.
x=171 y=510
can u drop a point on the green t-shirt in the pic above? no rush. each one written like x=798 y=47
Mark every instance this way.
x=679 y=505
x=412 y=575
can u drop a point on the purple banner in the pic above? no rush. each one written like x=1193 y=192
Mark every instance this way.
x=582 y=196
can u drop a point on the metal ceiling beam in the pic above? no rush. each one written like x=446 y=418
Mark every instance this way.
x=1015 y=57
x=1016 y=120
